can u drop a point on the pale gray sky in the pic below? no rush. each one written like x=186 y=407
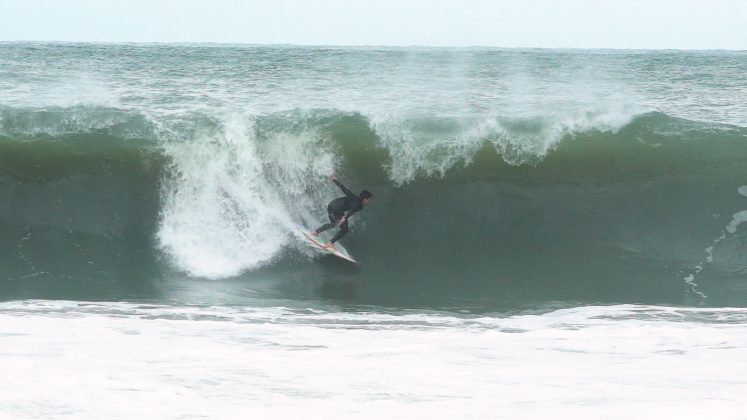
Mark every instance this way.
x=680 y=24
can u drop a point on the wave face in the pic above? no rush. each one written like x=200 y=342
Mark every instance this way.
x=140 y=187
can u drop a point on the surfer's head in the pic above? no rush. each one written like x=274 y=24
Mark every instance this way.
x=365 y=197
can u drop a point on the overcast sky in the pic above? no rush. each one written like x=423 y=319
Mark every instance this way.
x=681 y=24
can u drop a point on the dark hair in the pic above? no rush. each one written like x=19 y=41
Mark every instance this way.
x=365 y=194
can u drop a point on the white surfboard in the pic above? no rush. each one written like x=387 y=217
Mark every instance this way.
x=303 y=234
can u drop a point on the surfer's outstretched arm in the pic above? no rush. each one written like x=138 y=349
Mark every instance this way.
x=342 y=187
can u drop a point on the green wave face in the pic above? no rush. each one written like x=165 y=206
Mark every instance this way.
x=648 y=212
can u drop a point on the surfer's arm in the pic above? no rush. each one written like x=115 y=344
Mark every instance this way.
x=344 y=188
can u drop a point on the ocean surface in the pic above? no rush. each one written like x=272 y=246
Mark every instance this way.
x=554 y=233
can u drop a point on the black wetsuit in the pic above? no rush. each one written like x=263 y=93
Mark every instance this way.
x=337 y=208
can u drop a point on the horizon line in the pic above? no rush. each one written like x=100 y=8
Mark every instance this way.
x=311 y=45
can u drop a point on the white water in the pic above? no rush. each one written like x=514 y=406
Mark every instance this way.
x=78 y=360
x=231 y=200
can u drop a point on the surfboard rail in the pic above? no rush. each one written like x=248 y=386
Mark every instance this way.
x=339 y=250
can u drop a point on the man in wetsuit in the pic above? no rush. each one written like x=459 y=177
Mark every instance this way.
x=337 y=208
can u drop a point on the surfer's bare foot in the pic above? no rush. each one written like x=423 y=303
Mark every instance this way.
x=313 y=233
x=330 y=246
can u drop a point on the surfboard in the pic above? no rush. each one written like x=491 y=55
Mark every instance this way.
x=303 y=234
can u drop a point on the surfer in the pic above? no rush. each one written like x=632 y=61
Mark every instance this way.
x=337 y=208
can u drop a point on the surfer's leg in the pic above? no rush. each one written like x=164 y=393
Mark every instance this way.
x=333 y=219
x=343 y=230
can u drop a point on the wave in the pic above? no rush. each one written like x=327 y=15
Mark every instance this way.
x=602 y=206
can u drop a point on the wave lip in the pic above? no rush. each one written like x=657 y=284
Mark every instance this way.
x=55 y=122
x=431 y=146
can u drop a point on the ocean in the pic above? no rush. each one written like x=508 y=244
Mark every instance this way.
x=553 y=234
